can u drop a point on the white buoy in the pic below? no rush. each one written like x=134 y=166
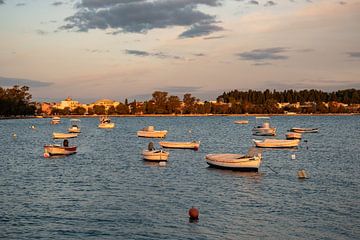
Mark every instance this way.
x=14 y=135
x=162 y=163
x=293 y=156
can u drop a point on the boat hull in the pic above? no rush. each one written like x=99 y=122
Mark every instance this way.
x=64 y=135
x=293 y=135
x=234 y=162
x=155 y=155
x=152 y=134
x=304 y=130
x=275 y=143
x=74 y=130
x=241 y=122
x=264 y=131
x=181 y=145
x=106 y=125
x=53 y=150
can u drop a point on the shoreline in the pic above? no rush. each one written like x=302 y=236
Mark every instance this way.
x=182 y=115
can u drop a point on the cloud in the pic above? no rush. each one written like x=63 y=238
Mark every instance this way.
x=140 y=16
x=197 y=30
x=149 y=54
x=354 y=55
x=41 y=32
x=8 y=82
x=214 y=37
x=181 y=89
x=264 y=54
x=20 y=4
x=270 y=3
x=253 y=2
x=57 y=3
x=342 y=3
x=2 y=2
x=323 y=84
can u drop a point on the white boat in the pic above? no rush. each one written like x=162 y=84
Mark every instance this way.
x=74 y=126
x=241 y=122
x=155 y=155
x=150 y=132
x=276 y=143
x=55 y=149
x=105 y=122
x=55 y=120
x=234 y=161
x=264 y=129
x=293 y=135
x=191 y=145
x=57 y=135
x=304 y=130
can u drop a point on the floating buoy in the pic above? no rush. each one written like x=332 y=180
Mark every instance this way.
x=293 y=156
x=162 y=163
x=46 y=155
x=193 y=214
x=302 y=174
x=33 y=127
x=14 y=135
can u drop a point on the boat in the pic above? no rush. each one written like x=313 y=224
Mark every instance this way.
x=74 y=126
x=276 y=143
x=293 y=135
x=264 y=129
x=241 y=122
x=57 y=135
x=56 y=149
x=55 y=120
x=304 y=130
x=150 y=132
x=155 y=155
x=186 y=145
x=248 y=162
x=105 y=122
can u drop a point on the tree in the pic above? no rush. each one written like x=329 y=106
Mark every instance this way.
x=111 y=110
x=99 y=109
x=122 y=109
x=79 y=111
x=173 y=104
x=189 y=102
x=160 y=99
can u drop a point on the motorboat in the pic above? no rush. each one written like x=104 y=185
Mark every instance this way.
x=155 y=155
x=150 y=132
x=264 y=129
x=74 y=126
x=55 y=120
x=304 y=130
x=276 y=143
x=57 y=135
x=105 y=122
x=55 y=149
x=235 y=161
x=187 y=145
x=293 y=135
x=241 y=122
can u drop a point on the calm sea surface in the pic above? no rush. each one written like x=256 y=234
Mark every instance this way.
x=106 y=190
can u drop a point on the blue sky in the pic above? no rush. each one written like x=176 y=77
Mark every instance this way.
x=91 y=49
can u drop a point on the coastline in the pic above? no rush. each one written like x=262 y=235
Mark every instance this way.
x=183 y=115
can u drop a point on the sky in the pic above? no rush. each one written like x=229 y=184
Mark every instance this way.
x=117 y=49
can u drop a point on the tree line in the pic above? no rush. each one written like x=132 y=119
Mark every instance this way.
x=16 y=101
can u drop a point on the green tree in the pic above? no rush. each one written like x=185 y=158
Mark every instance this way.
x=173 y=104
x=99 y=109
x=189 y=102
x=160 y=99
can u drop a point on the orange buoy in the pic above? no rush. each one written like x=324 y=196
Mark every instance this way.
x=46 y=155
x=193 y=213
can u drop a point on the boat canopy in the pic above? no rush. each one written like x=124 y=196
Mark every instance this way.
x=262 y=117
x=75 y=120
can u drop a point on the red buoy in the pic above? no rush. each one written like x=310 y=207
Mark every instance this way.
x=194 y=213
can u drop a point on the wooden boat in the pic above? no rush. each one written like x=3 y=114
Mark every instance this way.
x=57 y=135
x=150 y=132
x=188 y=145
x=155 y=155
x=264 y=129
x=241 y=122
x=293 y=135
x=55 y=120
x=55 y=149
x=105 y=122
x=234 y=161
x=74 y=126
x=276 y=143
x=304 y=130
